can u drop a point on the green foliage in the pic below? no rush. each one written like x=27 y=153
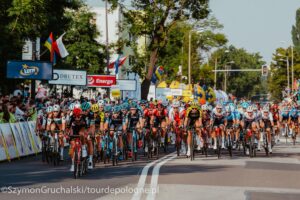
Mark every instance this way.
x=278 y=81
x=241 y=84
x=80 y=41
x=296 y=32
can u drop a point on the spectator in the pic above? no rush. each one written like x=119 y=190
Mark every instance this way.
x=19 y=113
x=6 y=116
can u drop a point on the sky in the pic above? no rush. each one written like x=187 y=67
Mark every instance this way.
x=257 y=25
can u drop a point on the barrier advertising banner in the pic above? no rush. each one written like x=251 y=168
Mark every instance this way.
x=2 y=148
x=37 y=141
x=25 y=132
x=9 y=140
x=127 y=85
x=19 y=139
x=29 y=70
x=69 y=77
x=101 y=80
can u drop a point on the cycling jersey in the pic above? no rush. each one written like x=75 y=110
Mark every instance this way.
x=218 y=118
x=133 y=119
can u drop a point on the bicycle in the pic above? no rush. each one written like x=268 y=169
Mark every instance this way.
x=54 y=147
x=229 y=140
x=80 y=162
x=218 y=140
x=193 y=130
x=265 y=142
x=205 y=139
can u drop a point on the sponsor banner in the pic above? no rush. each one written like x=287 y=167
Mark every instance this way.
x=3 y=150
x=187 y=93
x=29 y=70
x=152 y=91
x=101 y=80
x=162 y=93
x=68 y=77
x=27 y=137
x=9 y=140
x=176 y=92
x=36 y=139
x=127 y=85
x=115 y=91
x=19 y=140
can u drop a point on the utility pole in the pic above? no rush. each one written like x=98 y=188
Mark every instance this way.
x=189 y=67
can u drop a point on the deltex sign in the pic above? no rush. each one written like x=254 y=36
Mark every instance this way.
x=101 y=80
x=68 y=77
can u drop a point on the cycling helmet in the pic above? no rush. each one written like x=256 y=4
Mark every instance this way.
x=204 y=107
x=107 y=108
x=100 y=103
x=245 y=105
x=77 y=105
x=72 y=106
x=194 y=103
x=219 y=106
x=116 y=109
x=133 y=105
x=165 y=103
x=85 y=106
x=255 y=107
x=175 y=104
x=49 y=109
x=151 y=105
x=250 y=109
x=95 y=108
x=77 y=112
x=228 y=109
x=56 y=108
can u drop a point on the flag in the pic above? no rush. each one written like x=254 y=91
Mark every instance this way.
x=117 y=65
x=50 y=45
x=154 y=78
x=60 y=47
x=159 y=72
x=121 y=62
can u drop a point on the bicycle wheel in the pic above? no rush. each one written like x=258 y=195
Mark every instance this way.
x=76 y=164
x=219 y=142
x=266 y=144
x=229 y=145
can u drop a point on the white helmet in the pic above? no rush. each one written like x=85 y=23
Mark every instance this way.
x=265 y=109
x=77 y=105
x=49 y=109
x=72 y=106
x=100 y=102
x=255 y=107
x=228 y=109
x=56 y=107
x=204 y=107
x=250 y=109
x=176 y=104
x=219 y=106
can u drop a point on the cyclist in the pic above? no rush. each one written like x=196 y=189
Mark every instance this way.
x=88 y=116
x=218 y=120
x=193 y=119
x=267 y=123
x=162 y=120
x=133 y=121
x=57 y=122
x=293 y=121
x=249 y=123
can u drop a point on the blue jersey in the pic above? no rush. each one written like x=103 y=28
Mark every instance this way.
x=293 y=114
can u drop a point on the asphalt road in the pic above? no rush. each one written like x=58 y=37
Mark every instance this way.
x=170 y=177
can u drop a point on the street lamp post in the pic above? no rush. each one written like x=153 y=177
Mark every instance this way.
x=189 y=67
x=216 y=64
x=106 y=45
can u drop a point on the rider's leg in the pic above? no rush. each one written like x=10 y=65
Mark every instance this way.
x=72 y=155
x=189 y=142
x=222 y=128
x=268 y=130
x=163 y=126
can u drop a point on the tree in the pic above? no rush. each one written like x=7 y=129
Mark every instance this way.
x=242 y=84
x=296 y=32
x=80 y=39
x=175 y=52
x=28 y=19
x=278 y=80
x=155 y=19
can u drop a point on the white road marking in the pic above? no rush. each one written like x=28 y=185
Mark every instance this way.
x=154 y=179
x=141 y=184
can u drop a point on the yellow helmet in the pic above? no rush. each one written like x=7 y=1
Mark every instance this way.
x=95 y=108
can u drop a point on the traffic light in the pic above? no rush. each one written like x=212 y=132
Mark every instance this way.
x=264 y=70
